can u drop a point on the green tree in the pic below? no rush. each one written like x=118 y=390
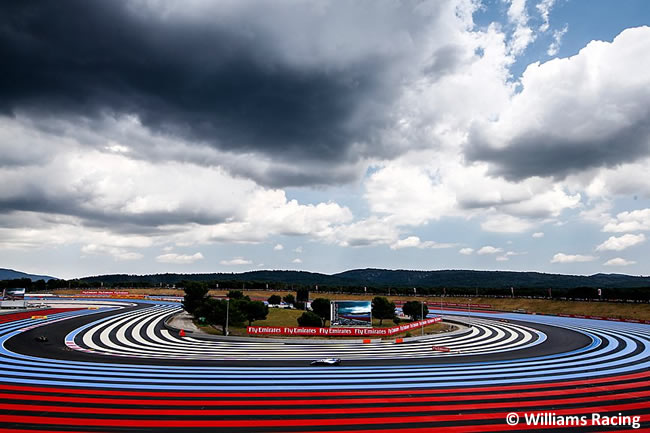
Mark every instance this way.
x=253 y=310
x=217 y=311
x=309 y=319
x=39 y=285
x=17 y=283
x=382 y=309
x=56 y=284
x=237 y=294
x=274 y=300
x=289 y=299
x=414 y=309
x=321 y=307
x=302 y=295
x=195 y=297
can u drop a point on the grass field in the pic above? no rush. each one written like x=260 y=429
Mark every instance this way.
x=280 y=317
x=284 y=317
x=605 y=309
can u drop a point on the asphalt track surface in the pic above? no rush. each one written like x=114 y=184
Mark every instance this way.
x=119 y=369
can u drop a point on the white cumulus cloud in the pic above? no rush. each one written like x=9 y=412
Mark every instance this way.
x=407 y=194
x=415 y=242
x=117 y=253
x=572 y=258
x=544 y=7
x=571 y=113
x=179 y=259
x=523 y=35
x=488 y=249
x=506 y=224
x=554 y=48
x=618 y=261
x=236 y=261
x=637 y=220
x=620 y=243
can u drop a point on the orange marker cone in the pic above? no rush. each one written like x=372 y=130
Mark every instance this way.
x=182 y=333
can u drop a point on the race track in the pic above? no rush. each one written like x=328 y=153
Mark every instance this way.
x=116 y=367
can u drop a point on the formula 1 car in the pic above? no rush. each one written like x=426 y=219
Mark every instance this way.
x=327 y=361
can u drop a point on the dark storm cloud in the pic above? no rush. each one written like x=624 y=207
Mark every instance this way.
x=314 y=174
x=553 y=155
x=446 y=60
x=210 y=80
x=77 y=206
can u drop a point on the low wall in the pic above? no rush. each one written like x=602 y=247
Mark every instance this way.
x=13 y=304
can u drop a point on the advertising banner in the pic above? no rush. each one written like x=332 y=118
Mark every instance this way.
x=434 y=304
x=351 y=313
x=440 y=348
x=105 y=292
x=339 y=332
x=13 y=294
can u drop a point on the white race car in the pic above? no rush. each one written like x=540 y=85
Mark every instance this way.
x=327 y=361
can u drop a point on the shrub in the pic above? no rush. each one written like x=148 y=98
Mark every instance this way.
x=309 y=319
x=382 y=309
x=414 y=310
x=253 y=310
x=289 y=299
x=321 y=307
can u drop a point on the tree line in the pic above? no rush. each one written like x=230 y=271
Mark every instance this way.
x=239 y=308
x=634 y=294
x=236 y=310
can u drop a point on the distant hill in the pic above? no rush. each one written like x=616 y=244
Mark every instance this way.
x=288 y=277
x=397 y=278
x=490 y=279
x=10 y=274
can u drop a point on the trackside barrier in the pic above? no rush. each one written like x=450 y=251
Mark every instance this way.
x=104 y=292
x=580 y=316
x=434 y=303
x=440 y=348
x=339 y=332
x=114 y=296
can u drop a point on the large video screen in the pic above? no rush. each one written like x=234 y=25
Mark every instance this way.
x=13 y=294
x=351 y=313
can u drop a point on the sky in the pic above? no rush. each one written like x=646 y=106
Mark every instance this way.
x=146 y=136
